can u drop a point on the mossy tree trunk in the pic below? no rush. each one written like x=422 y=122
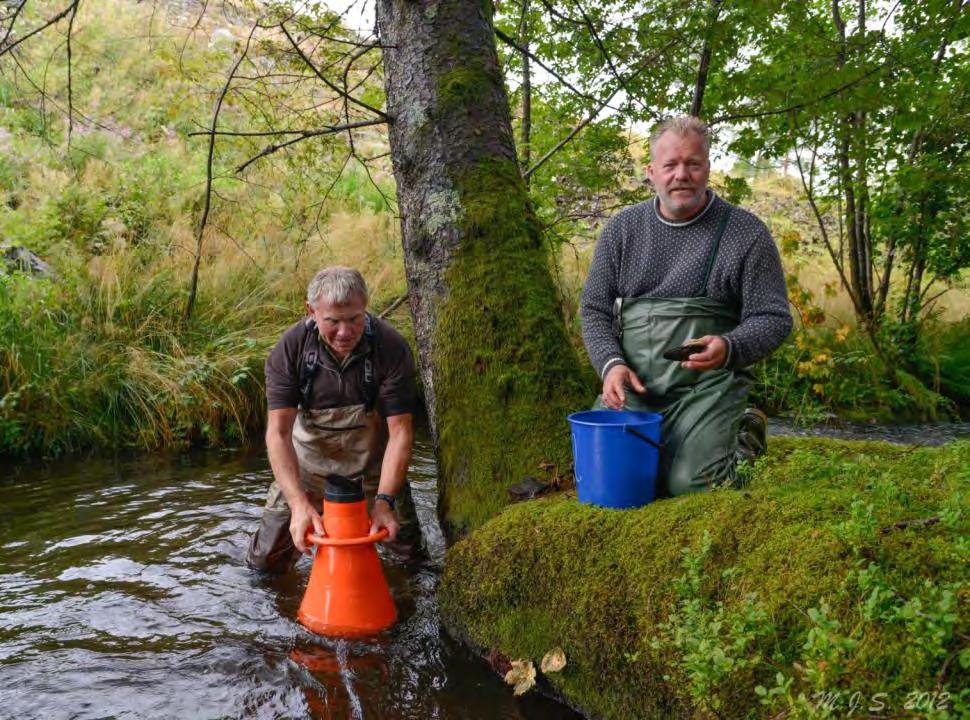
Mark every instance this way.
x=497 y=365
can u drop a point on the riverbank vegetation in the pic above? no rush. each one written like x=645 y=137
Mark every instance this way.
x=100 y=352
x=834 y=585
x=108 y=186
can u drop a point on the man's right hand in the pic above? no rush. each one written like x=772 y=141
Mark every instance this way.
x=614 y=386
x=302 y=517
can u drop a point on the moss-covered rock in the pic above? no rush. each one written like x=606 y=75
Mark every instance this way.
x=837 y=579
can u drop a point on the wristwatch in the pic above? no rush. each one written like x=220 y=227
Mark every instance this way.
x=389 y=499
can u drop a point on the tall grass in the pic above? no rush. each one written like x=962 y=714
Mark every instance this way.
x=101 y=357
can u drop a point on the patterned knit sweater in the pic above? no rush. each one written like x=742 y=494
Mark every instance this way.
x=639 y=254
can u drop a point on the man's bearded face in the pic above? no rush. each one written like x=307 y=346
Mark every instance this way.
x=679 y=170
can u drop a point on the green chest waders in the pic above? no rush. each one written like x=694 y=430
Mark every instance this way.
x=701 y=410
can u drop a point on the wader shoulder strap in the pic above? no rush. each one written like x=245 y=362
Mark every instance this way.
x=370 y=375
x=718 y=234
x=310 y=363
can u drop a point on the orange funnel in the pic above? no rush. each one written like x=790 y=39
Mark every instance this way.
x=347 y=595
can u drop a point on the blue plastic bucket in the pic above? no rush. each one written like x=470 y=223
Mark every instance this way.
x=615 y=455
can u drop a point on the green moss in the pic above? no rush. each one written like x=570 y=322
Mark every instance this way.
x=465 y=84
x=602 y=584
x=507 y=375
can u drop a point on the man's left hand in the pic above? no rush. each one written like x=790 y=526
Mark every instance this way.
x=383 y=517
x=711 y=357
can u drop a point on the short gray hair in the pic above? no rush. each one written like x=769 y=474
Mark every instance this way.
x=682 y=126
x=337 y=285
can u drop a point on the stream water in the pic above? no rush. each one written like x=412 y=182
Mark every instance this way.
x=914 y=434
x=123 y=594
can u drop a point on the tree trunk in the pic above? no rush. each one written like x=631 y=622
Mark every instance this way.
x=524 y=41
x=499 y=371
x=704 y=64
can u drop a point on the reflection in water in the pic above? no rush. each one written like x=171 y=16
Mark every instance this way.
x=123 y=593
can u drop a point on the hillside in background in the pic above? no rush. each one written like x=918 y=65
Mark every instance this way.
x=111 y=194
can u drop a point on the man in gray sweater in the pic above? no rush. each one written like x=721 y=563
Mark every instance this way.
x=685 y=268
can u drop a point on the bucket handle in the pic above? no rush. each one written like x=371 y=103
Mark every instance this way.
x=650 y=441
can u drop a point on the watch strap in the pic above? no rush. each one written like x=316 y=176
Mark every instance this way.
x=389 y=499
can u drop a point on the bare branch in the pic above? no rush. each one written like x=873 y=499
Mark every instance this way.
x=572 y=133
x=801 y=105
x=596 y=111
x=5 y=48
x=926 y=303
x=562 y=16
x=46 y=98
x=903 y=524
x=393 y=306
x=70 y=76
x=190 y=33
x=352 y=43
x=198 y=20
x=562 y=81
x=239 y=246
x=366 y=76
x=609 y=60
x=325 y=80
x=388 y=201
x=303 y=135
x=703 y=67
x=327 y=130
x=13 y=21
x=808 y=187
x=194 y=284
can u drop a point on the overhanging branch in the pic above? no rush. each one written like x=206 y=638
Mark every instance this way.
x=801 y=105
x=326 y=130
x=596 y=111
x=300 y=136
x=518 y=48
x=5 y=48
x=326 y=81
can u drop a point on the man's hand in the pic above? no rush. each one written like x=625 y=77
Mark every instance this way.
x=614 y=386
x=302 y=517
x=382 y=516
x=711 y=357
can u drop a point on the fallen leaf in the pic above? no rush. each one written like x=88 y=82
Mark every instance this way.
x=499 y=662
x=522 y=676
x=553 y=661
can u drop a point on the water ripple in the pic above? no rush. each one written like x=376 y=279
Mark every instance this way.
x=124 y=594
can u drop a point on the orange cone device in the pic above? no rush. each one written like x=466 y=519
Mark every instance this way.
x=347 y=595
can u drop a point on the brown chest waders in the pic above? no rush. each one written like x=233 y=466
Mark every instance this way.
x=348 y=441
